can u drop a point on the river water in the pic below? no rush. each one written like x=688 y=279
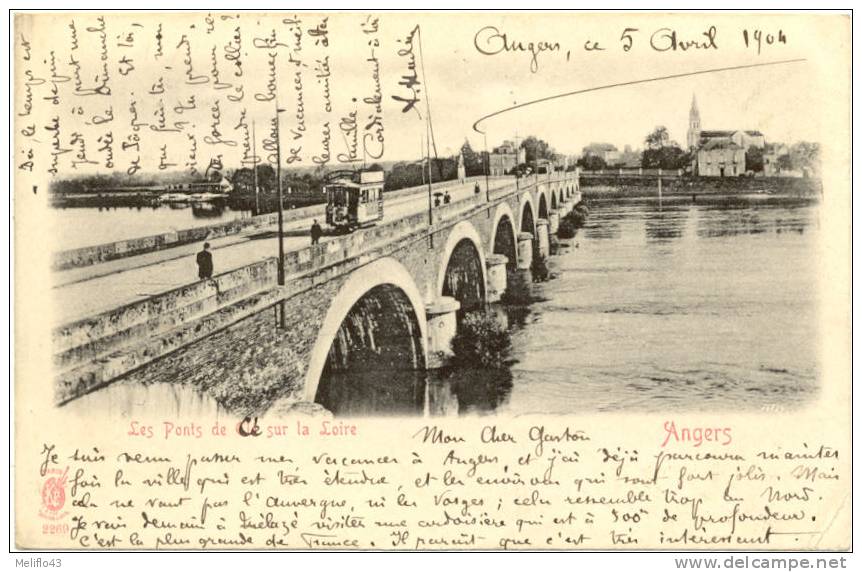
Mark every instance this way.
x=684 y=308
x=671 y=307
x=76 y=227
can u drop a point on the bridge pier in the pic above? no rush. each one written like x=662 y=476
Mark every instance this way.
x=496 y=276
x=442 y=326
x=554 y=221
x=500 y=315
x=525 y=251
x=544 y=240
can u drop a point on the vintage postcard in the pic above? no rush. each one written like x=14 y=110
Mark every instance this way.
x=432 y=281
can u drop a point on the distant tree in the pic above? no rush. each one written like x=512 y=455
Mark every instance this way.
x=667 y=157
x=472 y=161
x=266 y=178
x=785 y=163
x=404 y=175
x=662 y=153
x=754 y=159
x=413 y=174
x=658 y=138
x=806 y=155
x=308 y=185
x=243 y=180
x=592 y=163
x=535 y=149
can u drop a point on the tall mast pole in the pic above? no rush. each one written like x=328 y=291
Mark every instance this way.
x=428 y=158
x=421 y=153
x=282 y=320
x=254 y=170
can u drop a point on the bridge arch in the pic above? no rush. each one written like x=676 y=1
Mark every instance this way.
x=504 y=236
x=462 y=271
x=543 y=205
x=527 y=216
x=554 y=202
x=382 y=297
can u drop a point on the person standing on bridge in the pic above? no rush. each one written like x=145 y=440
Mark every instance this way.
x=205 y=263
x=316 y=232
x=476 y=189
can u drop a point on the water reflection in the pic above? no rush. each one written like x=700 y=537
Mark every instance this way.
x=734 y=223
x=666 y=225
x=373 y=392
x=603 y=228
x=479 y=390
x=452 y=390
x=213 y=209
x=438 y=393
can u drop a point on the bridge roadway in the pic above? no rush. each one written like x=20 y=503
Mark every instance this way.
x=83 y=292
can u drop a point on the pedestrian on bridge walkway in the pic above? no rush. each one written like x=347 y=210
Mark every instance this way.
x=205 y=263
x=316 y=232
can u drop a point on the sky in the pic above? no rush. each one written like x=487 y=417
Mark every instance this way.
x=464 y=65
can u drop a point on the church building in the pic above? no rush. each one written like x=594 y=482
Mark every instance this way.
x=505 y=158
x=719 y=153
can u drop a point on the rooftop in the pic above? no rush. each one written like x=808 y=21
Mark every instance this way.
x=720 y=143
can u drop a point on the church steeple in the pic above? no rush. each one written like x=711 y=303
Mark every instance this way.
x=693 y=138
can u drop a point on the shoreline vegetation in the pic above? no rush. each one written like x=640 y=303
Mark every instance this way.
x=700 y=188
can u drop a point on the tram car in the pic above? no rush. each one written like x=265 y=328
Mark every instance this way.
x=354 y=199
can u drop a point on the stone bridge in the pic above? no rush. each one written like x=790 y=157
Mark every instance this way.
x=382 y=297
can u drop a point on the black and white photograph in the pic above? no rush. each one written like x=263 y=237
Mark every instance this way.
x=434 y=222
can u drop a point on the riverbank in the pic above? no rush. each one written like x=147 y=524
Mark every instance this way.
x=612 y=187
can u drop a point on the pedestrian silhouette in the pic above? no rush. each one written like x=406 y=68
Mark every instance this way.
x=476 y=189
x=316 y=232
x=205 y=263
x=446 y=198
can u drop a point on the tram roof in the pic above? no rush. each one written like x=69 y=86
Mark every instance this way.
x=358 y=180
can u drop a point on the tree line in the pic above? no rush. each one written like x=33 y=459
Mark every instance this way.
x=661 y=152
x=308 y=185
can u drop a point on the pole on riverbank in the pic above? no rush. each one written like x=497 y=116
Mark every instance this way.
x=659 y=188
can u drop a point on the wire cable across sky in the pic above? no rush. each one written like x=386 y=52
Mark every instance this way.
x=622 y=84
